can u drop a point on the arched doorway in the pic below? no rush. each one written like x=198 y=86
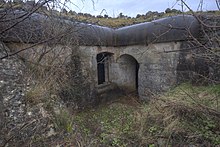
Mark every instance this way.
x=128 y=73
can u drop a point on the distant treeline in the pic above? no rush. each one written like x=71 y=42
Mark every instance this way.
x=20 y=4
x=104 y=19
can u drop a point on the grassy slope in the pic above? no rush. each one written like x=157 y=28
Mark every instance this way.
x=120 y=22
x=185 y=115
x=114 y=22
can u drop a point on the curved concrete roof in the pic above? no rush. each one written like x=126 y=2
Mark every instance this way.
x=38 y=27
x=175 y=28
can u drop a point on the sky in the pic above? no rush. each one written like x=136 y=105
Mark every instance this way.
x=134 y=7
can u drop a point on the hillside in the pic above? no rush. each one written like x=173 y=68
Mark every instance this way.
x=121 y=20
x=102 y=20
x=126 y=21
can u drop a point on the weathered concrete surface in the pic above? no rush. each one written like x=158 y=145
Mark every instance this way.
x=38 y=28
x=124 y=72
x=169 y=29
x=157 y=68
x=146 y=69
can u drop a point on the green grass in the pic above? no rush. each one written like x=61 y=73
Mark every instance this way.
x=192 y=95
x=120 y=22
x=109 y=125
x=185 y=115
x=63 y=121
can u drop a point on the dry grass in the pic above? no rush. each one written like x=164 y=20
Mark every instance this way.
x=186 y=115
x=173 y=119
x=120 y=22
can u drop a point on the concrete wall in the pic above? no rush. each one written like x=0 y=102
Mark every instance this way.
x=124 y=72
x=161 y=66
x=157 y=66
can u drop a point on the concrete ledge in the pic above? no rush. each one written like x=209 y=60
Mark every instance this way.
x=103 y=88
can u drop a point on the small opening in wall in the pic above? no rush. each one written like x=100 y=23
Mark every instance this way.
x=103 y=61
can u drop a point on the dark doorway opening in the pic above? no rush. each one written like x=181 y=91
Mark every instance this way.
x=137 y=69
x=103 y=67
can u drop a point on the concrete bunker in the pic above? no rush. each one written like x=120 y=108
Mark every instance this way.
x=98 y=45
x=127 y=73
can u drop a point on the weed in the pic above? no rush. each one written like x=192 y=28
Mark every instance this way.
x=108 y=124
x=36 y=94
x=63 y=121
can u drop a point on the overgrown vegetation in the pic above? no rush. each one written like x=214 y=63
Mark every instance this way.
x=186 y=115
x=126 y=21
x=107 y=126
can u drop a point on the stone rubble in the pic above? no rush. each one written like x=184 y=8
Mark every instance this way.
x=19 y=123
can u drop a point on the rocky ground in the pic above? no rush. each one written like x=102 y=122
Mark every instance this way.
x=20 y=124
